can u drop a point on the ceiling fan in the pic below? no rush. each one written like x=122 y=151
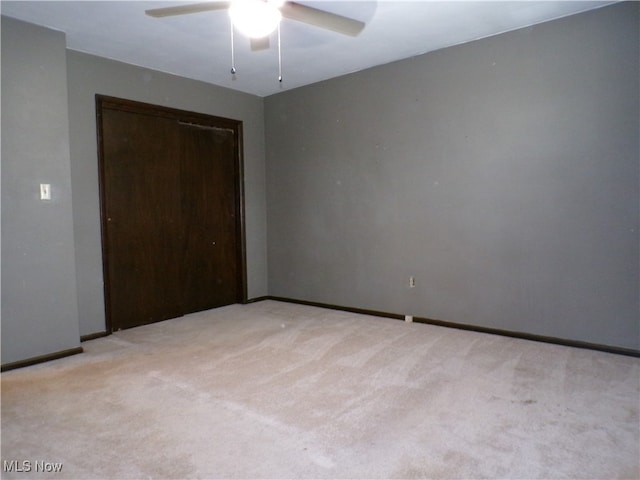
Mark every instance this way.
x=258 y=18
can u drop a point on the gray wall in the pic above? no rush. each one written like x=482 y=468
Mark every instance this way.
x=39 y=307
x=52 y=284
x=89 y=75
x=503 y=174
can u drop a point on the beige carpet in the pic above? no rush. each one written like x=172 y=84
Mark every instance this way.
x=276 y=390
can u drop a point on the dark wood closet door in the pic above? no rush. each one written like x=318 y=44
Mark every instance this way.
x=141 y=177
x=171 y=207
x=209 y=209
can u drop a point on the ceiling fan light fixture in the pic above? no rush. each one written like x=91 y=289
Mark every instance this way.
x=255 y=18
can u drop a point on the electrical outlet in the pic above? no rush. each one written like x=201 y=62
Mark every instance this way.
x=412 y=282
x=408 y=318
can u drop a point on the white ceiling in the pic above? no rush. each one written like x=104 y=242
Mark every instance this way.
x=198 y=46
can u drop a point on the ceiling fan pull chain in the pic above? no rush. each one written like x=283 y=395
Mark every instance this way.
x=279 y=57
x=233 y=53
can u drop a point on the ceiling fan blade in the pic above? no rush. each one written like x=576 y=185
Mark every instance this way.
x=185 y=9
x=259 y=43
x=320 y=18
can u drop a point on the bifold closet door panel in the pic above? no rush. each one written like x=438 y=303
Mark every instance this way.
x=210 y=275
x=142 y=206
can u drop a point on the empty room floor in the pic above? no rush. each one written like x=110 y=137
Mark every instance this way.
x=279 y=390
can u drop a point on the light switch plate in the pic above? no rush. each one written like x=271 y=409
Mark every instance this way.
x=45 y=191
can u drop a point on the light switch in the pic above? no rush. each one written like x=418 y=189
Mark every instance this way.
x=45 y=191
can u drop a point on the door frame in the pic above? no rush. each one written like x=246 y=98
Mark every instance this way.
x=185 y=117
